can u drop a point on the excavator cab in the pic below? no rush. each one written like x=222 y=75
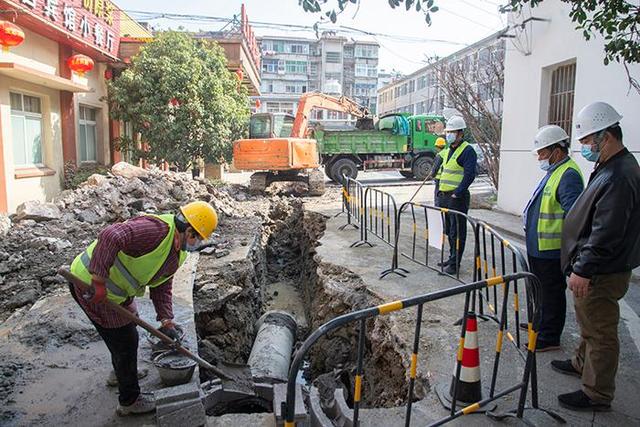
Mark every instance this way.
x=270 y=125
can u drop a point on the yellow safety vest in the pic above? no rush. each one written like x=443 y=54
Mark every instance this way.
x=443 y=155
x=551 y=216
x=129 y=275
x=452 y=172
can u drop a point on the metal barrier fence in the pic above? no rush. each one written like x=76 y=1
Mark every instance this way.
x=380 y=217
x=360 y=316
x=419 y=235
x=353 y=202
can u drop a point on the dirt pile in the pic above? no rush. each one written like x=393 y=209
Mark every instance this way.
x=44 y=236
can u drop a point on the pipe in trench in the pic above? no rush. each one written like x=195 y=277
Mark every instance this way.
x=270 y=356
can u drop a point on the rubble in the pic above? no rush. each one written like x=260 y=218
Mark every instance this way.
x=41 y=237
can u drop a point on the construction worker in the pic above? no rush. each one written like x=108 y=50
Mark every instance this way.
x=436 y=169
x=458 y=172
x=543 y=219
x=600 y=247
x=143 y=252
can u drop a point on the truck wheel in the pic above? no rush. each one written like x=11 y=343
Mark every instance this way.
x=344 y=167
x=407 y=174
x=327 y=171
x=422 y=167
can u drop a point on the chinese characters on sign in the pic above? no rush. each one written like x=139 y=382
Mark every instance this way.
x=80 y=17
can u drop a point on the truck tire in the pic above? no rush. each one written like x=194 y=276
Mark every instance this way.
x=327 y=171
x=421 y=167
x=344 y=167
x=406 y=174
x=316 y=182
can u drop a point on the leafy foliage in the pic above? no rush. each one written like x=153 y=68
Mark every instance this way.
x=74 y=175
x=426 y=7
x=183 y=102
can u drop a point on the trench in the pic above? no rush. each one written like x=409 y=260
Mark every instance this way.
x=282 y=271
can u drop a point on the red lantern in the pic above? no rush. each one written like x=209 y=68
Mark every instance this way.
x=108 y=74
x=10 y=35
x=80 y=64
x=258 y=103
x=239 y=74
x=174 y=102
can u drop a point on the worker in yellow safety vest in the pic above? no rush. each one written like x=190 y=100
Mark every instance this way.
x=122 y=263
x=436 y=169
x=543 y=220
x=458 y=172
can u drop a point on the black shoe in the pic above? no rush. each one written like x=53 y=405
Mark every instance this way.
x=579 y=401
x=445 y=263
x=451 y=269
x=542 y=347
x=565 y=367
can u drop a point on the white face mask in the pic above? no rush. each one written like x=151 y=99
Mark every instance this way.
x=544 y=164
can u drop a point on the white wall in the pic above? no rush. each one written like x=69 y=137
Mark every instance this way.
x=526 y=96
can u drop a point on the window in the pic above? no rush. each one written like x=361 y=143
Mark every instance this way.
x=333 y=76
x=405 y=87
x=422 y=82
x=278 y=46
x=418 y=125
x=295 y=88
x=299 y=48
x=269 y=65
x=313 y=69
x=333 y=57
x=26 y=126
x=88 y=136
x=296 y=67
x=366 y=51
x=412 y=86
x=563 y=81
x=364 y=89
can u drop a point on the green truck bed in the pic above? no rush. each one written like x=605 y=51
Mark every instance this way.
x=360 y=141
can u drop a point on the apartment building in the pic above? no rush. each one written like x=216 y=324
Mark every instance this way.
x=420 y=92
x=332 y=64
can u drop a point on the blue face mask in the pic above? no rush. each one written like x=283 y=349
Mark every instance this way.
x=588 y=152
x=545 y=165
x=451 y=138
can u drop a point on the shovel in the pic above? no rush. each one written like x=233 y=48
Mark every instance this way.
x=234 y=377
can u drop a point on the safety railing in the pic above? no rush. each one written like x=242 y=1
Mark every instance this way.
x=353 y=202
x=380 y=217
x=414 y=237
x=360 y=317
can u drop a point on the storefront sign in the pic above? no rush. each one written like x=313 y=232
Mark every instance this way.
x=96 y=22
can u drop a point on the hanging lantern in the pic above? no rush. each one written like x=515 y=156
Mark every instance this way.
x=239 y=74
x=10 y=35
x=108 y=74
x=80 y=64
x=258 y=103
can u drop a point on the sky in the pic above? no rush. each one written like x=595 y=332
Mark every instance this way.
x=458 y=23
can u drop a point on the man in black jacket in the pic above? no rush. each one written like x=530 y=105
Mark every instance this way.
x=600 y=247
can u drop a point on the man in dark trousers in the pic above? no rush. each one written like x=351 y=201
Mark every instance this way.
x=600 y=247
x=543 y=220
x=458 y=172
x=126 y=259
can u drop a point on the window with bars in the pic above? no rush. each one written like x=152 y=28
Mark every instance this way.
x=334 y=57
x=563 y=80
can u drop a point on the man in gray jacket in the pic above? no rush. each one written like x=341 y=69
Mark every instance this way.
x=600 y=247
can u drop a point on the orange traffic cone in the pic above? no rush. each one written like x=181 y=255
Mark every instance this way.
x=468 y=389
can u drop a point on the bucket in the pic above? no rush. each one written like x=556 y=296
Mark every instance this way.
x=174 y=368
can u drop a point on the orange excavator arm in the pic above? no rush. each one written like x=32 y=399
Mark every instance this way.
x=311 y=100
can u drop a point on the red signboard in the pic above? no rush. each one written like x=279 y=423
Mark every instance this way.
x=95 y=23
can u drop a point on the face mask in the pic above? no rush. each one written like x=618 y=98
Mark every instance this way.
x=544 y=164
x=588 y=153
x=451 y=138
x=192 y=248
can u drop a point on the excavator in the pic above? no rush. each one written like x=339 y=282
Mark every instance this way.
x=278 y=148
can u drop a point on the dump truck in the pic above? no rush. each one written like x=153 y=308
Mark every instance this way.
x=278 y=148
x=396 y=141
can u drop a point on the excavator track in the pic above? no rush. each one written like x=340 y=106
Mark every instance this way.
x=315 y=182
x=259 y=182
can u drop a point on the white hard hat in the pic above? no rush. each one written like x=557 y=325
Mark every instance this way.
x=594 y=118
x=455 y=123
x=549 y=135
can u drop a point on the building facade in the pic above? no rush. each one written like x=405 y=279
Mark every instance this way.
x=332 y=64
x=421 y=93
x=50 y=115
x=549 y=77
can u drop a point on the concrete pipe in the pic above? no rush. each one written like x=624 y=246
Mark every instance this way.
x=271 y=352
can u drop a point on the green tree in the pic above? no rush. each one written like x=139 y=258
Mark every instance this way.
x=183 y=102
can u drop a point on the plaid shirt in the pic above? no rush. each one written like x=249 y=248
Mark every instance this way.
x=135 y=237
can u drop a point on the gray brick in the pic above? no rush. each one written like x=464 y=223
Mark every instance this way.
x=193 y=415
x=180 y=392
x=174 y=406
